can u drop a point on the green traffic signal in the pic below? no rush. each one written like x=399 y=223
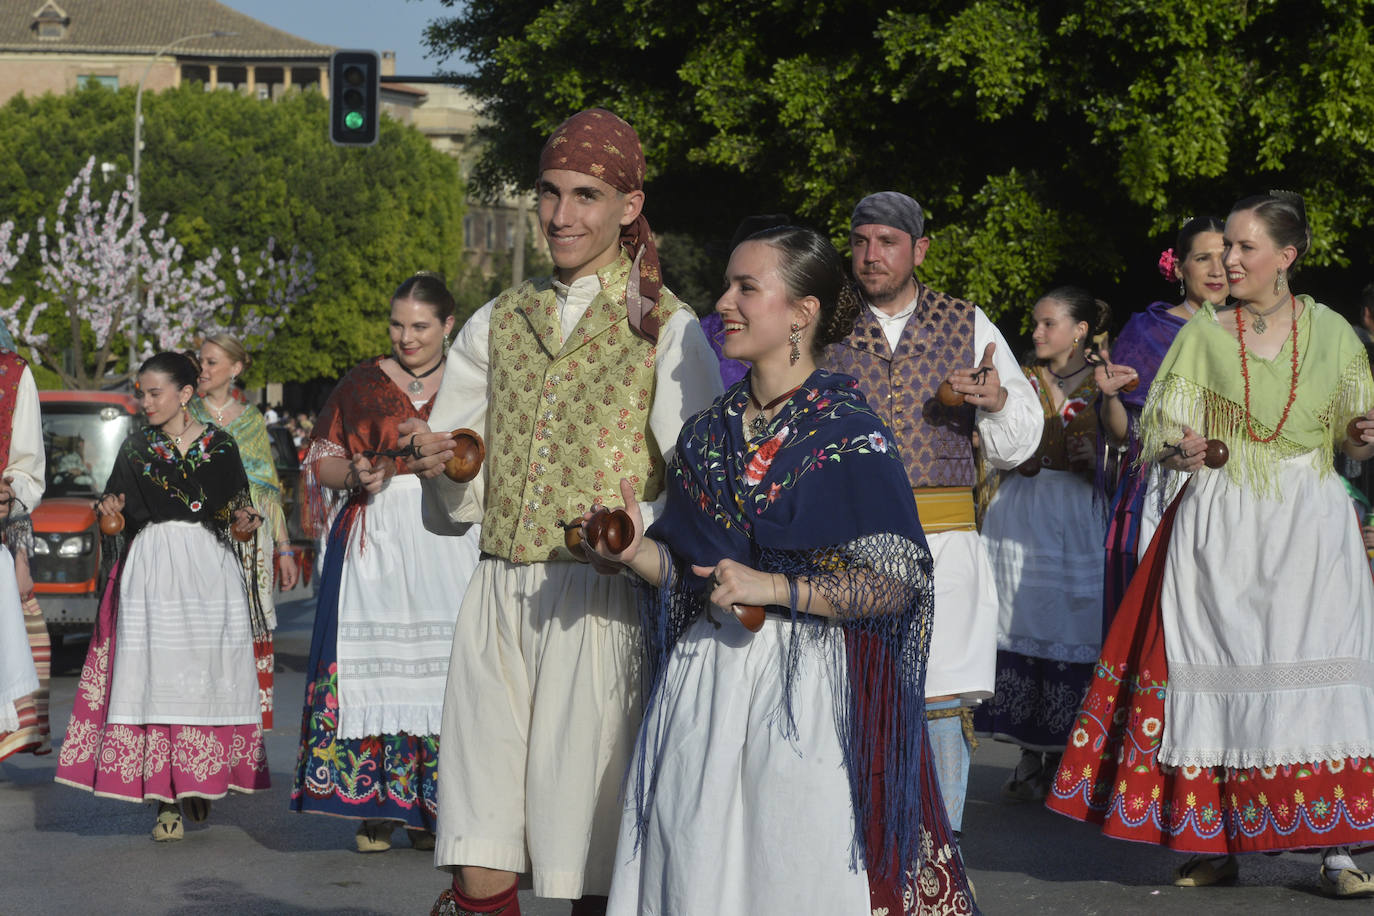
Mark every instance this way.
x=354 y=103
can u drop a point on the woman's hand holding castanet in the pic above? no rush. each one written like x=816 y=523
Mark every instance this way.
x=1360 y=430
x=368 y=475
x=741 y=588
x=1188 y=455
x=110 y=509
x=1113 y=378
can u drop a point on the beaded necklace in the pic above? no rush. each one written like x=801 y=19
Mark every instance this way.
x=1245 y=373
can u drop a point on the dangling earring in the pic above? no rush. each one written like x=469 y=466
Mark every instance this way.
x=1278 y=280
x=1182 y=290
x=795 y=339
x=443 y=348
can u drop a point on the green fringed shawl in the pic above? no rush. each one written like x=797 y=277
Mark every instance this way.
x=1199 y=385
x=249 y=430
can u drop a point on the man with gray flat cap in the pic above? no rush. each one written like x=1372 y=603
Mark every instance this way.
x=908 y=341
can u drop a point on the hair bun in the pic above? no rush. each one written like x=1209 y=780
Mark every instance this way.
x=1294 y=198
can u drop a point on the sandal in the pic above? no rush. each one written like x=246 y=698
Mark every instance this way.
x=422 y=840
x=374 y=836
x=1348 y=882
x=1204 y=871
x=196 y=808
x=168 y=828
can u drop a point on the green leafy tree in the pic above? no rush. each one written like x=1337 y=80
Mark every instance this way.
x=233 y=171
x=1048 y=142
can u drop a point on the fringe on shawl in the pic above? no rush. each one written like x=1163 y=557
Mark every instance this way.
x=881 y=586
x=1176 y=401
x=318 y=502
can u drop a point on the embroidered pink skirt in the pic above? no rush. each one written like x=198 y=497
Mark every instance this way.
x=150 y=761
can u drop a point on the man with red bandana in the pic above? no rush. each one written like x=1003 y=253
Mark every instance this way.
x=909 y=340
x=575 y=381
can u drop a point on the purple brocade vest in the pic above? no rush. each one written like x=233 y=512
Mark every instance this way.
x=933 y=440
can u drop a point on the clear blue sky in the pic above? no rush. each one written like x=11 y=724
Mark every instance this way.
x=379 y=25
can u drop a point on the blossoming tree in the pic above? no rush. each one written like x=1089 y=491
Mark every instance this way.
x=127 y=290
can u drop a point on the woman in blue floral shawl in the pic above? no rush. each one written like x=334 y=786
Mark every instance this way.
x=785 y=770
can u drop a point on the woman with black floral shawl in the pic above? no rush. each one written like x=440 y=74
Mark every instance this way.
x=167 y=708
x=787 y=770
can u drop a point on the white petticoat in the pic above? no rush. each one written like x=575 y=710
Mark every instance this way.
x=18 y=677
x=183 y=644
x=1268 y=624
x=1044 y=536
x=743 y=818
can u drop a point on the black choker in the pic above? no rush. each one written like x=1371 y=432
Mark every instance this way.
x=416 y=386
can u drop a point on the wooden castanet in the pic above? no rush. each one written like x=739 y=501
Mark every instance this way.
x=242 y=531
x=112 y=523
x=613 y=530
x=947 y=396
x=1029 y=467
x=751 y=615
x=1352 y=430
x=1132 y=385
x=1217 y=454
x=468 y=454
x=573 y=540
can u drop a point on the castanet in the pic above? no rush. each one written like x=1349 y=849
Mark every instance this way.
x=468 y=454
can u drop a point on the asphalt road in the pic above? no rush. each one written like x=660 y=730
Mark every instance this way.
x=65 y=851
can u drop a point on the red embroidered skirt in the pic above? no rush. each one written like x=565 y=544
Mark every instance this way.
x=1109 y=774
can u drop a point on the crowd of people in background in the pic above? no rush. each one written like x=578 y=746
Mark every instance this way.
x=749 y=586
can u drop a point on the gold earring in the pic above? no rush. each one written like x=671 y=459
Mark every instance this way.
x=1278 y=280
x=795 y=340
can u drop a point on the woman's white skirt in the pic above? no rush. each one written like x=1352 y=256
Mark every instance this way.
x=184 y=644
x=745 y=817
x=18 y=676
x=1268 y=612
x=1044 y=536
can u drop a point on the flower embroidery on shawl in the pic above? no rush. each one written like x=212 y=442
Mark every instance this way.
x=763 y=458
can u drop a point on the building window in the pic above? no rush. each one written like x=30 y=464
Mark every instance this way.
x=104 y=82
x=469 y=230
x=510 y=234
x=491 y=233
x=51 y=21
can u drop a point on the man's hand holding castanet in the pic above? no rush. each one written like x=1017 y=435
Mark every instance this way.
x=981 y=386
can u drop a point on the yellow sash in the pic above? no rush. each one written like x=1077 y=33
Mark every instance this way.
x=945 y=509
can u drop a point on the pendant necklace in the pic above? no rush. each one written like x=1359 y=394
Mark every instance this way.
x=1260 y=323
x=1062 y=379
x=759 y=425
x=416 y=386
x=218 y=411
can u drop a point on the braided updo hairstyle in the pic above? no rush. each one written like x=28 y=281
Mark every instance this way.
x=1082 y=306
x=1284 y=214
x=810 y=266
x=178 y=367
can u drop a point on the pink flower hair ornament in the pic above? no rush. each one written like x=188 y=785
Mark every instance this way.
x=1168 y=265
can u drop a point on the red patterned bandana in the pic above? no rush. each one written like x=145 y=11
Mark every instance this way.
x=597 y=143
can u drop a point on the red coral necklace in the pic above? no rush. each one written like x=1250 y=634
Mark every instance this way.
x=1245 y=373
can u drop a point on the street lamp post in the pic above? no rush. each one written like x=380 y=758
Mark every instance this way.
x=138 y=160
x=138 y=105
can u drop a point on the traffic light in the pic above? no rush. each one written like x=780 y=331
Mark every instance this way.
x=354 y=78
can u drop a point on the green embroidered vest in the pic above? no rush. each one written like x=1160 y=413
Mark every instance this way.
x=565 y=422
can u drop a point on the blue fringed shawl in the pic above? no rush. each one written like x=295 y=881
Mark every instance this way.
x=824 y=497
